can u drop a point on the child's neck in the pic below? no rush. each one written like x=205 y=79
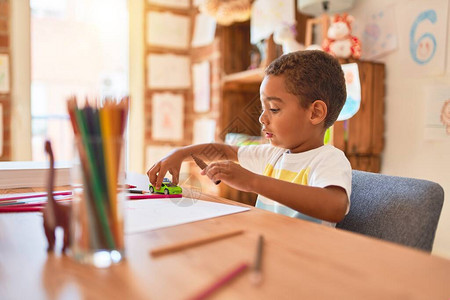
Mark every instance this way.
x=304 y=148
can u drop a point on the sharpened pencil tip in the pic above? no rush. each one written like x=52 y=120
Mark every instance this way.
x=255 y=278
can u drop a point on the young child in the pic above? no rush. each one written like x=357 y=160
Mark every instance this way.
x=296 y=174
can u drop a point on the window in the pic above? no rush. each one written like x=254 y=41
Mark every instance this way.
x=78 y=47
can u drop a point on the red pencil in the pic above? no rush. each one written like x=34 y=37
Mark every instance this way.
x=221 y=282
x=16 y=208
x=38 y=195
x=152 y=196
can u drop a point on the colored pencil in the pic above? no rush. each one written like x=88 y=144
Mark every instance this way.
x=37 y=195
x=194 y=242
x=230 y=275
x=21 y=209
x=93 y=179
x=202 y=165
x=256 y=276
x=133 y=191
x=152 y=196
x=99 y=131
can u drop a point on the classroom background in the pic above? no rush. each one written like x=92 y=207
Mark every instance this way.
x=112 y=48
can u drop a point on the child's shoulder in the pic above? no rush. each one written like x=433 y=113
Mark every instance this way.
x=325 y=152
x=262 y=149
x=329 y=153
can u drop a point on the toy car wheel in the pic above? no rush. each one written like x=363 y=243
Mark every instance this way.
x=166 y=192
x=152 y=190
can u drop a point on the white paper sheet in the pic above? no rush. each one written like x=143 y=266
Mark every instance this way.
x=168 y=71
x=204 y=30
x=167 y=117
x=168 y=30
x=144 y=215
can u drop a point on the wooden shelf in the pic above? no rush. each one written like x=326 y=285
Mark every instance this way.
x=249 y=76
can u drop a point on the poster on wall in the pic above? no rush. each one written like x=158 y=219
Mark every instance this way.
x=204 y=30
x=437 y=112
x=378 y=34
x=166 y=29
x=353 y=86
x=168 y=71
x=423 y=37
x=201 y=86
x=4 y=73
x=167 y=117
x=204 y=131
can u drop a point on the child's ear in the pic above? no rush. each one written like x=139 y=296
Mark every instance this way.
x=318 y=111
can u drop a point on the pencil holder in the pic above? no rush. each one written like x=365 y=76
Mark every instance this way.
x=98 y=202
x=97 y=222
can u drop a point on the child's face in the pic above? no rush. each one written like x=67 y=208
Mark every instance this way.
x=284 y=122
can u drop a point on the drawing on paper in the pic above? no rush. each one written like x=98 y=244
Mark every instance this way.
x=422 y=28
x=353 y=86
x=437 y=112
x=379 y=36
x=423 y=48
x=445 y=115
x=167 y=117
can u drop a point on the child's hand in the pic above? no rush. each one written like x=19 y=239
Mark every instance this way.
x=172 y=163
x=230 y=173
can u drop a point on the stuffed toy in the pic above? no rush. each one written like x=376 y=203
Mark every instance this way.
x=285 y=36
x=339 y=41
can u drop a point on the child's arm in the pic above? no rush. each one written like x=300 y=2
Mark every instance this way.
x=172 y=162
x=329 y=203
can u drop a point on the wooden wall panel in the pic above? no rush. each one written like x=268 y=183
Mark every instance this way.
x=378 y=109
x=359 y=137
x=339 y=135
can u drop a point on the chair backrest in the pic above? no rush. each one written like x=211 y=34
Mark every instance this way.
x=397 y=209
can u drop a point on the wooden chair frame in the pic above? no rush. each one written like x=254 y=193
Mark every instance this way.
x=323 y=21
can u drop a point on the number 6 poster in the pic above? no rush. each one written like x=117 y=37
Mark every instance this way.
x=423 y=31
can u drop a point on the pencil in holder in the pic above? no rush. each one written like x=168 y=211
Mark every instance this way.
x=98 y=172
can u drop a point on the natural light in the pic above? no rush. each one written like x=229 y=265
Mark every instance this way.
x=78 y=47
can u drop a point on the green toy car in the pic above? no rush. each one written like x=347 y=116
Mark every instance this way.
x=167 y=187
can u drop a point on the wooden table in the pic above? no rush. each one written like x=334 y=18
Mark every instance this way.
x=301 y=260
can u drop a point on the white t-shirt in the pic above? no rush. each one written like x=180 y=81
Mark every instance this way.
x=320 y=167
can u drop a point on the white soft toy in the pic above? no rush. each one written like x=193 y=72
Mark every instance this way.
x=285 y=36
x=339 y=41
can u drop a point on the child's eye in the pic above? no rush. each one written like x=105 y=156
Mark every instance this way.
x=274 y=110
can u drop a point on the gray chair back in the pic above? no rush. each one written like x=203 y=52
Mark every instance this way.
x=397 y=209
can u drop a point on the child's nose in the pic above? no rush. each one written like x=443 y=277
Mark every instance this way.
x=263 y=118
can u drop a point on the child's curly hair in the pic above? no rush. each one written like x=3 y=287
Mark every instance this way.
x=313 y=75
